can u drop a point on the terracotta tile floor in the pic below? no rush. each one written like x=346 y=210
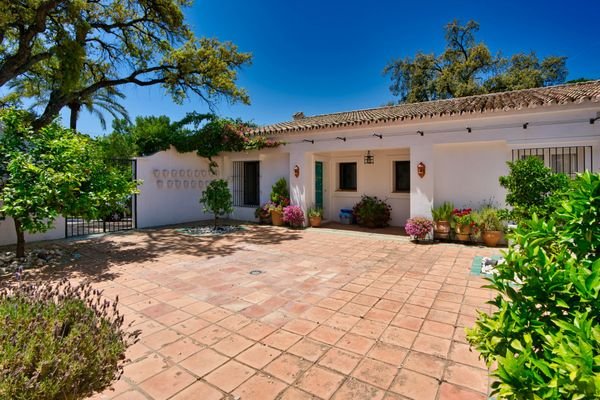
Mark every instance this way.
x=332 y=315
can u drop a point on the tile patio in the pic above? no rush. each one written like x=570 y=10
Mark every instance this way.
x=332 y=316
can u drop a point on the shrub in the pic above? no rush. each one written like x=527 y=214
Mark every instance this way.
x=372 y=212
x=294 y=216
x=217 y=199
x=488 y=219
x=545 y=334
x=59 y=342
x=418 y=227
x=443 y=212
x=463 y=216
x=532 y=188
x=315 y=212
x=280 y=195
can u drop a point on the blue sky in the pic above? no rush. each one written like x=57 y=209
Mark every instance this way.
x=326 y=56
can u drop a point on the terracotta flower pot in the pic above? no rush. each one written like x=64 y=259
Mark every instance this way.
x=491 y=238
x=315 y=222
x=277 y=218
x=463 y=229
x=442 y=229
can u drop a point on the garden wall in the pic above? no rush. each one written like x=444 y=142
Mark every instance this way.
x=8 y=236
x=172 y=185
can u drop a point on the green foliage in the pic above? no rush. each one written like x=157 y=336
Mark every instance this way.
x=217 y=199
x=54 y=171
x=58 y=342
x=532 y=188
x=63 y=51
x=443 y=212
x=314 y=212
x=467 y=67
x=545 y=332
x=488 y=219
x=372 y=212
x=280 y=195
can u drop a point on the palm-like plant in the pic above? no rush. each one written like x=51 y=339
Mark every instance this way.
x=106 y=99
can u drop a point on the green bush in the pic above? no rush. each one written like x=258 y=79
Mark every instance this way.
x=217 y=199
x=372 y=212
x=58 y=342
x=280 y=195
x=443 y=212
x=545 y=332
x=532 y=188
x=488 y=219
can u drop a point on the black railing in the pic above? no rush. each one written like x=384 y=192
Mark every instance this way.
x=121 y=218
x=245 y=183
x=569 y=160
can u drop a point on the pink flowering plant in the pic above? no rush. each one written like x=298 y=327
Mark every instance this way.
x=418 y=227
x=294 y=216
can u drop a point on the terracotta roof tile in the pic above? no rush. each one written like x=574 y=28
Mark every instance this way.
x=494 y=102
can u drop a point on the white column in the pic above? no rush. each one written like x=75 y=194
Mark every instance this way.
x=421 y=189
x=301 y=192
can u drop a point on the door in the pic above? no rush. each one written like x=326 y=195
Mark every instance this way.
x=319 y=184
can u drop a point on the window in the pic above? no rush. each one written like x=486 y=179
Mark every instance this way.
x=569 y=160
x=347 y=180
x=246 y=183
x=401 y=176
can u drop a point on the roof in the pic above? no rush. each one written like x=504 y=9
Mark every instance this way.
x=479 y=104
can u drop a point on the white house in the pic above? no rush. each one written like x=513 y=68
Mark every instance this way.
x=462 y=143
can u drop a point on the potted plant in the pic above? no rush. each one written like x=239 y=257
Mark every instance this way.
x=315 y=215
x=294 y=216
x=263 y=214
x=372 y=212
x=442 y=216
x=419 y=227
x=463 y=223
x=489 y=222
x=280 y=198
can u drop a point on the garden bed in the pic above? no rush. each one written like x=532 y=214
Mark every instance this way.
x=209 y=230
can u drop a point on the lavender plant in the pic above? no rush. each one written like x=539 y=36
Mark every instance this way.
x=59 y=341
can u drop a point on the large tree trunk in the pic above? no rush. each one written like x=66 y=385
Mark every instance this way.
x=74 y=107
x=20 y=239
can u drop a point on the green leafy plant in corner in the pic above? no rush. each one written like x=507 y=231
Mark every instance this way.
x=217 y=199
x=280 y=195
x=443 y=212
x=315 y=212
x=372 y=212
x=532 y=188
x=544 y=334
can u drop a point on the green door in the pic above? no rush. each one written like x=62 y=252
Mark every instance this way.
x=319 y=184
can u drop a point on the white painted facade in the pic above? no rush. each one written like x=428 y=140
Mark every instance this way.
x=8 y=235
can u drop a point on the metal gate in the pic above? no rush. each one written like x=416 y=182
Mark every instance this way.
x=121 y=219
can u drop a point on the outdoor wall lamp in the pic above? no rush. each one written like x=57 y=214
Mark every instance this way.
x=341 y=138
x=421 y=133
x=369 y=158
x=421 y=170
x=379 y=135
x=296 y=171
x=525 y=125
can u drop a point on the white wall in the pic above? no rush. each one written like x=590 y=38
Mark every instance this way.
x=8 y=236
x=172 y=185
x=467 y=173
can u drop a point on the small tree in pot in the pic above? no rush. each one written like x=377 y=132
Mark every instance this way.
x=280 y=198
x=315 y=215
x=217 y=199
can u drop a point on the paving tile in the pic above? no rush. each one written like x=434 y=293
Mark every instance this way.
x=375 y=372
x=326 y=334
x=355 y=343
x=365 y=300
x=259 y=387
x=358 y=310
x=425 y=364
x=203 y=362
x=210 y=335
x=449 y=391
x=438 y=329
x=157 y=310
x=317 y=314
x=331 y=303
x=229 y=376
x=370 y=329
x=415 y=386
x=308 y=349
x=145 y=368
x=353 y=389
x=379 y=315
x=190 y=326
x=442 y=316
x=320 y=382
x=408 y=322
x=256 y=330
x=389 y=305
x=180 y=349
x=388 y=353
x=300 y=326
x=287 y=367
x=467 y=376
x=167 y=383
x=462 y=353
x=340 y=360
x=233 y=345
x=342 y=321
x=199 y=390
x=161 y=338
x=281 y=339
x=398 y=337
x=234 y=322
x=258 y=355
x=433 y=345
x=296 y=394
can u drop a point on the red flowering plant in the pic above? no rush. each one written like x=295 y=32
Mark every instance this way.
x=464 y=218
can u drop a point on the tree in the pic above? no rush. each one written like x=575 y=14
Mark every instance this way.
x=80 y=48
x=105 y=99
x=51 y=172
x=217 y=199
x=467 y=67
